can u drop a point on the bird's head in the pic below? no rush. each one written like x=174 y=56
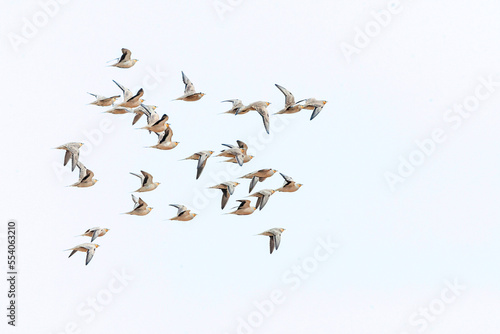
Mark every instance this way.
x=149 y=208
x=96 y=246
x=324 y=102
x=95 y=180
x=236 y=183
x=268 y=103
x=81 y=144
x=202 y=94
x=142 y=100
x=282 y=229
x=273 y=191
x=135 y=60
x=106 y=229
x=274 y=171
x=299 y=185
x=157 y=183
x=195 y=214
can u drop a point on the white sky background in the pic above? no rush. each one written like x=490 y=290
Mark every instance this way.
x=395 y=248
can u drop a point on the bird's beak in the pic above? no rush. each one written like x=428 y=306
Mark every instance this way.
x=96 y=246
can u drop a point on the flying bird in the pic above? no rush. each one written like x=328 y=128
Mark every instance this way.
x=165 y=140
x=159 y=126
x=274 y=235
x=144 y=109
x=95 y=232
x=315 y=105
x=234 y=152
x=290 y=185
x=141 y=208
x=147 y=183
x=227 y=190
x=86 y=177
x=183 y=214
x=190 y=93
x=235 y=109
x=72 y=151
x=228 y=154
x=244 y=208
x=258 y=176
x=86 y=248
x=202 y=157
x=290 y=106
x=262 y=197
x=103 y=101
x=129 y=99
x=125 y=61
x=261 y=108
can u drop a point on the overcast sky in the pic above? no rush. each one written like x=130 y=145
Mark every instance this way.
x=396 y=227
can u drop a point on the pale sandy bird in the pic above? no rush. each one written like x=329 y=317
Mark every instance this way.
x=258 y=176
x=72 y=151
x=290 y=185
x=143 y=109
x=141 y=208
x=125 y=60
x=129 y=99
x=236 y=108
x=262 y=197
x=183 y=214
x=243 y=209
x=190 y=93
x=87 y=248
x=261 y=108
x=315 y=105
x=227 y=190
x=202 y=157
x=234 y=152
x=103 y=101
x=165 y=140
x=274 y=235
x=86 y=177
x=147 y=183
x=95 y=232
x=243 y=147
x=290 y=106
x=159 y=126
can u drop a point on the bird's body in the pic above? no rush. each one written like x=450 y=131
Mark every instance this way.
x=290 y=185
x=183 y=214
x=165 y=140
x=261 y=108
x=125 y=60
x=95 y=232
x=140 y=207
x=159 y=126
x=236 y=108
x=227 y=190
x=315 y=105
x=148 y=110
x=274 y=235
x=202 y=157
x=290 y=106
x=72 y=152
x=88 y=248
x=130 y=100
x=85 y=178
x=103 y=101
x=244 y=208
x=258 y=176
x=262 y=197
x=190 y=93
x=147 y=183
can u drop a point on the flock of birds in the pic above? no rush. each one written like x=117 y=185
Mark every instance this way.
x=133 y=104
